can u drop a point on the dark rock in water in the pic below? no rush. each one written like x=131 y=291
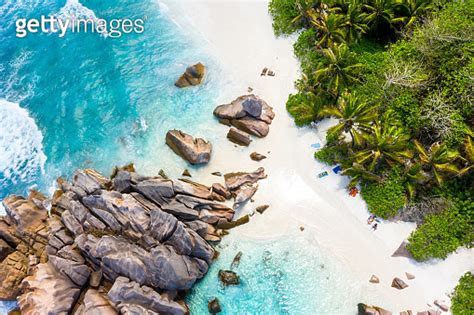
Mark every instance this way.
x=364 y=309
x=257 y=156
x=399 y=284
x=261 y=209
x=214 y=306
x=125 y=245
x=239 y=137
x=192 y=76
x=186 y=173
x=195 y=151
x=233 y=224
x=228 y=277
x=236 y=260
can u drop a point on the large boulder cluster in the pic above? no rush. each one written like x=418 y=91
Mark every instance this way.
x=128 y=244
x=249 y=115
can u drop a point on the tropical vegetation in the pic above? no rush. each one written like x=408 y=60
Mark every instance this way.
x=397 y=75
x=462 y=302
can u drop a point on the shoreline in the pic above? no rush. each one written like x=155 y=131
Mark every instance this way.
x=240 y=36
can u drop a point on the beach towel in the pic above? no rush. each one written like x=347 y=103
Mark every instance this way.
x=337 y=169
x=323 y=174
x=316 y=145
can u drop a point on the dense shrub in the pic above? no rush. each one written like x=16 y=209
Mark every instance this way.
x=386 y=198
x=462 y=302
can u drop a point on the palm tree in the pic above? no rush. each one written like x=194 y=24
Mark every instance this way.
x=354 y=22
x=354 y=116
x=330 y=29
x=337 y=69
x=438 y=159
x=358 y=172
x=380 y=13
x=412 y=178
x=306 y=11
x=412 y=9
x=384 y=143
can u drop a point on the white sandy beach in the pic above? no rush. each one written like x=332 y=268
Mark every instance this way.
x=240 y=35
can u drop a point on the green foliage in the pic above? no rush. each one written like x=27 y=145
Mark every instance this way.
x=462 y=302
x=303 y=107
x=442 y=233
x=438 y=236
x=386 y=198
x=283 y=13
x=411 y=63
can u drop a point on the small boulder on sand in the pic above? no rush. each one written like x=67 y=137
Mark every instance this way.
x=409 y=276
x=238 y=137
x=192 y=76
x=195 y=151
x=399 y=284
x=261 y=209
x=257 y=156
x=374 y=279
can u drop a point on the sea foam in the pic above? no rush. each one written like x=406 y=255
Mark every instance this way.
x=21 y=148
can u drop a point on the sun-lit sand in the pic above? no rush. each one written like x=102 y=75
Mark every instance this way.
x=239 y=34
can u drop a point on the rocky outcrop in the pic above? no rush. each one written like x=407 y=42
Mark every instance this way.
x=23 y=237
x=248 y=113
x=243 y=185
x=192 y=76
x=126 y=244
x=195 y=151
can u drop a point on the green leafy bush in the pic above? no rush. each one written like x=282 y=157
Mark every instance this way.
x=462 y=302
x=283 y=12
x=303 y=107
x=386 y=198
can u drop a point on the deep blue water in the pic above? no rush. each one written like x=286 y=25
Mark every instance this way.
x=87 y=100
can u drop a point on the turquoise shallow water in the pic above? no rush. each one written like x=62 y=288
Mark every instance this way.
x=86 y=100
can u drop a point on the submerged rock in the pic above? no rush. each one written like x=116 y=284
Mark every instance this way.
x=236 y=260
x=214 y=306
x=228 y=277
x=192 y=76
x=195 y=151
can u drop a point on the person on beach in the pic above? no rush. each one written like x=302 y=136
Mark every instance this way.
x=370 y=219
x=374 y=227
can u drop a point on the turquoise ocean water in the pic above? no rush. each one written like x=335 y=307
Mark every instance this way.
x=87 y=100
